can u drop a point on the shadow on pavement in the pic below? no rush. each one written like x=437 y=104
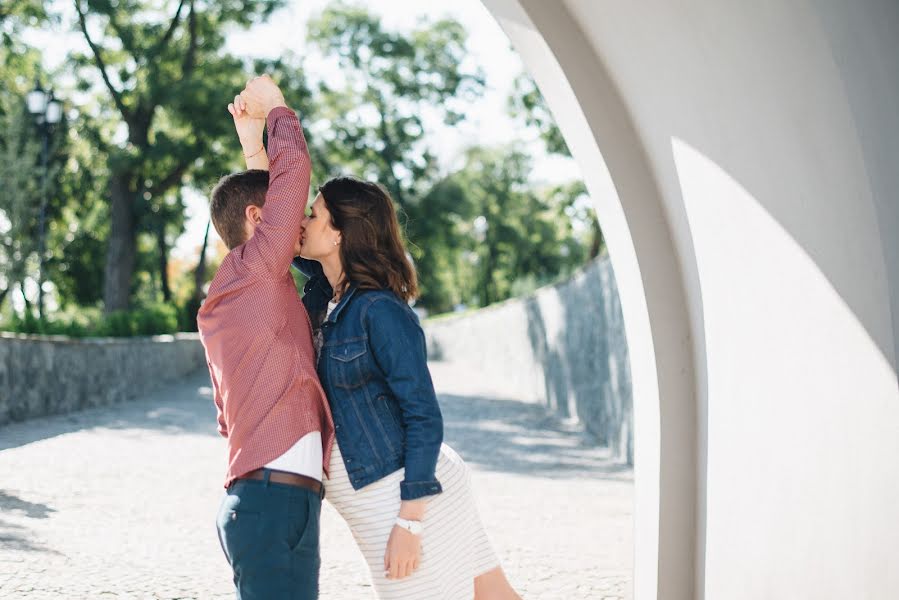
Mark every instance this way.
x=498 y=435
x=522 y=438
x=33 y=510
x=184 y=406
x=16 y=537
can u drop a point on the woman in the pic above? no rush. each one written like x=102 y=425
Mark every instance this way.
x=406 y=496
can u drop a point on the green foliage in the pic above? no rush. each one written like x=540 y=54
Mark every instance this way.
x=151 y=320
x=20 y=179
x=444 y=245
x=491 y=233
x=14 y=16
x=527 y=102
x=166 y=79
x=26 y=182
x=386 y=80
x=521 y=232
x=70 y=325
x=156 y=319
x=154 y=122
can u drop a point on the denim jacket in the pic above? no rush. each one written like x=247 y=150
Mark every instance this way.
x=373 y=368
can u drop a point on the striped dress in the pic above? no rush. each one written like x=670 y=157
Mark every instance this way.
x=454 y=546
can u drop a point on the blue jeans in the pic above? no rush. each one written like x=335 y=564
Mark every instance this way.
x=270 y=535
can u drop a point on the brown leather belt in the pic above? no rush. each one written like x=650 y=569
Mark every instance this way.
x=285 y=477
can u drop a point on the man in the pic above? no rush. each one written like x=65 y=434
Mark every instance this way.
x=258 y=344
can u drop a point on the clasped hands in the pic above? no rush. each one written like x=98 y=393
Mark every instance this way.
x=250 y=109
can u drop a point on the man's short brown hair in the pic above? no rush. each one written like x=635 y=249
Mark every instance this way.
x=229 y=200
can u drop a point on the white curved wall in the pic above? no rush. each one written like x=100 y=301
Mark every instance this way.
x=767 y=226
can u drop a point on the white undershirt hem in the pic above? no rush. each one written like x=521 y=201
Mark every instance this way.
x=303 y=458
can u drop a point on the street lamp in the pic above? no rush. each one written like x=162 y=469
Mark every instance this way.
x=47 y=112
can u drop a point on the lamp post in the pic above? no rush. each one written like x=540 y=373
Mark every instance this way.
x=47 y=112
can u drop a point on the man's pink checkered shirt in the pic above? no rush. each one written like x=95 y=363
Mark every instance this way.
x=255 y=329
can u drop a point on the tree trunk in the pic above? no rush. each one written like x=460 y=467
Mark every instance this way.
x=193 y=306
x=598 y=241
x=122 y=246
x=28 y=312
x=200 y=273
x=163 y=262
x=487 y=295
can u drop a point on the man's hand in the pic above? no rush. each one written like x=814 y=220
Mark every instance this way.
x=261 y=96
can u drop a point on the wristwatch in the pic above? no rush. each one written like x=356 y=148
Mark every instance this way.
x=413 y=527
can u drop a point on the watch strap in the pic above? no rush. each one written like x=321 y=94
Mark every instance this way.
x=413 y=527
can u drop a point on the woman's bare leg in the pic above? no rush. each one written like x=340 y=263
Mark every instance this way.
x=493 y=585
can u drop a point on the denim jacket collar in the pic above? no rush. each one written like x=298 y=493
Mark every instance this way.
x=343 y=302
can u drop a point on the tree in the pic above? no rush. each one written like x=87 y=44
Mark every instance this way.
x=374 y=111
x=527 y=102
x=443 y=232
x=494 y=230
x=77 y=238
x=165 y=82
x=14 y=16
x=389 y=80
x=20 y=179
x=22 y=175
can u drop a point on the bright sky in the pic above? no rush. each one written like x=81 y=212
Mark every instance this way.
x=487 y=120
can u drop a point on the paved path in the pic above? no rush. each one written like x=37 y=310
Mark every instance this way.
x=119 y=502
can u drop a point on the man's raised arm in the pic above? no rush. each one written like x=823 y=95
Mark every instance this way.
x=274 y=241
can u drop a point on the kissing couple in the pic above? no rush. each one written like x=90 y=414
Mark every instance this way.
x=328 y=396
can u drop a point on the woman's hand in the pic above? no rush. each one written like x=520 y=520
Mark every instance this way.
x=403 y=553
x=249 y=131
x=403 y=548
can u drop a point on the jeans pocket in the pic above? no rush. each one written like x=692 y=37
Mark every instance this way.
x=240 y=533
x=305 y=528
x=239 y=530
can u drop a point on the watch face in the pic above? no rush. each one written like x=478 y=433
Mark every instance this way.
x=413 y=527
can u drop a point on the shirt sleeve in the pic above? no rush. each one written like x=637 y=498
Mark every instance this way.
x=271 y=249
x=399 y=349
x=219 y=405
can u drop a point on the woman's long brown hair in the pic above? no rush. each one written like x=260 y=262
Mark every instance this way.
x=371 y=246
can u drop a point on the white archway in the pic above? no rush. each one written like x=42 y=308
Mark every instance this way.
x=742 y=159
x=589 y=111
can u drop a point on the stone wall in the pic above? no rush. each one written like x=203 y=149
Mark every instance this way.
x=564 y=347
x=43 y=375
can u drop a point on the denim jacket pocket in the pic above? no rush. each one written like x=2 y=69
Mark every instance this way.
x=387 y=403
x=348 y=362
x=383 y=421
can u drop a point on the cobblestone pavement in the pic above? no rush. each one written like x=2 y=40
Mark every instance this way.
x=119 y=502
